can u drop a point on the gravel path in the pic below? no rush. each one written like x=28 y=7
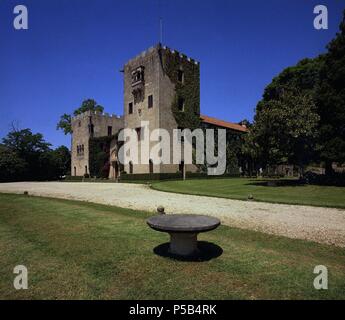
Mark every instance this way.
x=324 y=225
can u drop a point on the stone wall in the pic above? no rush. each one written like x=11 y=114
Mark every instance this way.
x=157 y=83
x=82 y=132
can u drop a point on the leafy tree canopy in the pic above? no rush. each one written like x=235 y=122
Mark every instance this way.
x=302 y=113
x=285 y=130
x=25 y=143
x=11 y=165
x=27 y=156
x=331 y=101
x=65 y=120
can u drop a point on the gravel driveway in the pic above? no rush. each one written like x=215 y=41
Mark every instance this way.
x=324 y=225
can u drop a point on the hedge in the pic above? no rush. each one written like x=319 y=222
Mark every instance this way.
x=172 y=176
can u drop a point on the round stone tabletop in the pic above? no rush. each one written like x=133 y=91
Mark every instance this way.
x=183 y=223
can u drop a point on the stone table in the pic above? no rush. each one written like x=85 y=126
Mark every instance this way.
x=183 y=230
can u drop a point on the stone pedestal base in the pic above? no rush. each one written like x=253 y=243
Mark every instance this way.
x=183 y=244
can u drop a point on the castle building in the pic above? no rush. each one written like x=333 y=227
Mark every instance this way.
x=162 y=87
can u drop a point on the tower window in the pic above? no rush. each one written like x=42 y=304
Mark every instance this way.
x=130 y=108
x=138 y=130
x=180 y=76
x=181 y=134
x=137 y=76
x=150 y=101
x=91 y=129
x=150 y=166
x=110 y=130
x=181 y=104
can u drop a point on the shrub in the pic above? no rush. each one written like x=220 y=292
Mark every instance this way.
x=336 y=179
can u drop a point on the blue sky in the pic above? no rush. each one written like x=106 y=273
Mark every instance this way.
x=74 y=50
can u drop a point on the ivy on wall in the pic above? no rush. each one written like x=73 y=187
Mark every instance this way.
x=189 y=90
x=99 y=155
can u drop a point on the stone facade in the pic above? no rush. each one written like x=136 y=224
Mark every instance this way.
x=87 y=125
x=149 y=94
x=152 y=83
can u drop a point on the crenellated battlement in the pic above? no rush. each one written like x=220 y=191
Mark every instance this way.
x=150 y=50
x=95 y=113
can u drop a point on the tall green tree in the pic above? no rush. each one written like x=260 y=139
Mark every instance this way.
x=65 y=120
x=330 y=99
x=31 y=148
x=12 y=167
x=61 y=158
x=285 y=129
x=27 y=156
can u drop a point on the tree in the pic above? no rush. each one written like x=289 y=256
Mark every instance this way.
x=331 y=102
x=304 y=77
x=61 y=158
x=25 y=143
x=285 y=130
x=12 y=166
x=30 y=148
x=24 y=155
x=65 y=120
x=284 y=125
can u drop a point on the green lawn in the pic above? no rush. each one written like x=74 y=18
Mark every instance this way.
x=86 y=251
x=240 y=188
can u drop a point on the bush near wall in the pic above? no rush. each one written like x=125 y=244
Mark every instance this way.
x=150 y=176
x=99 y=153
x=171 y=176
x=336 y=179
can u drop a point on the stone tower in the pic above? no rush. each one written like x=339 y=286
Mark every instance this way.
x=85 y=126
x=161 y=86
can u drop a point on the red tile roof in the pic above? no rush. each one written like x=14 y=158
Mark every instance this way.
x=224 y=124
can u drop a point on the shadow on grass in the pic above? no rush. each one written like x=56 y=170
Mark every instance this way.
x=277 y=183
x=206 y=251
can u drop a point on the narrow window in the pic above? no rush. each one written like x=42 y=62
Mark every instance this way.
x=86 y=169
x=150 y=101
x=75 y=171
x=130 y=167
x=138 y=130
x=181 y=104
x=110 y=130
x=181 y=167
x=180 y=76
x=91 y=129
x=151 y=166
x=130 y=108
x=181 y=134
